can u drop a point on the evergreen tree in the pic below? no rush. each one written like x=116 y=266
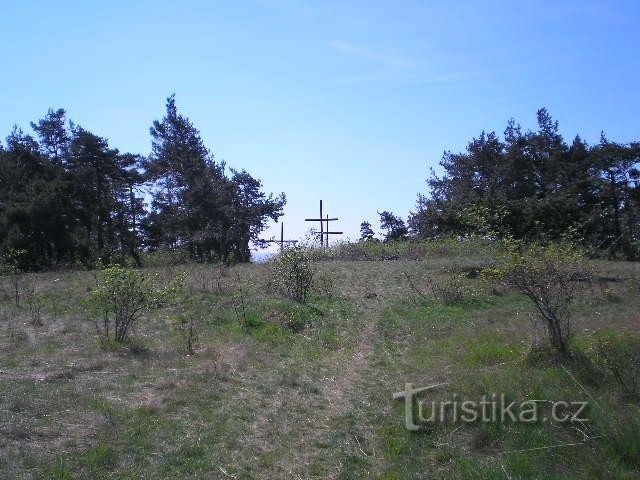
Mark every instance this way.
x=53 y=135
x=366 y=232
x=394 y=227
x=195 y=205
x=533 y=185
x=34 y=204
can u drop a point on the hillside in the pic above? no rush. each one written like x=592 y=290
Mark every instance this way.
x=306 y=391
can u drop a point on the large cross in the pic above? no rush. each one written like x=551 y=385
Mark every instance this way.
x=323 y=233
x=282 y=241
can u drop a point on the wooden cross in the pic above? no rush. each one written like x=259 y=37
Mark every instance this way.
x=322 y=220
x=327 y=232
x=282 y=241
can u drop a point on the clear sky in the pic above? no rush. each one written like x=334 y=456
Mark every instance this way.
x=348 y=101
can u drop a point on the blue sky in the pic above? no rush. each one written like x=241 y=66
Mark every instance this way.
x=348 y=101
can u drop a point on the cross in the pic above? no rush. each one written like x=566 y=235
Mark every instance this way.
x=327 y=233
x=322 y=220
x=282 y=241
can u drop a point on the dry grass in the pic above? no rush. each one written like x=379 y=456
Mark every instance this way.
x=273 y=403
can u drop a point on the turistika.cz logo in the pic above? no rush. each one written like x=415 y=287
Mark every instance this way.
x=420 y=412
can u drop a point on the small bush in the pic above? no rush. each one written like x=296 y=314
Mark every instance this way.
x=551 y=277
x=293 y=274
x=33 y=300
x=295 y=320
x=618 y=356
x=244 y=316
x=123 y=295
x=186 y=326
x=450 y=290
x=165 y=257
x=454 y=289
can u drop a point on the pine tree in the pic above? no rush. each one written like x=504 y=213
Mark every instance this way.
x=366 y=232
x=394 y=227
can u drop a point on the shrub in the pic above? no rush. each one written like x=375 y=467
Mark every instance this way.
x=186 y=326
x=123 y=295
x=450 y=290
x=551 y=277
x=34 y=303
x=11 y=265
x=455 y=288
x=244 y=317
x=293 y=274
x=618 y=356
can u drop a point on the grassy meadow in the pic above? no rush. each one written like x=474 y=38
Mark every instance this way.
x=282 y=390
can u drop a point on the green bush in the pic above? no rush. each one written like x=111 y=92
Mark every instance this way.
x=550 y=276
x=451 y=290
x=123 y=295
x=293 y=274
x=617 y=354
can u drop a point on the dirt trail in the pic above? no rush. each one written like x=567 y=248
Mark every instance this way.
x=341 y=391
x=338 y=392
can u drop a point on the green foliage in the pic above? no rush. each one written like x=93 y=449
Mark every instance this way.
x=123 y=295
x=163 y=257
x=617 y=355
x=293 y=275
x=490 y=349
x=454 y=289
x=245 y=318
x=411 y=249
x=68 y=197
x=534 y=186
x=100 y=458
x=394 y=226
x=622 y=439
x=483 y=221
x=197 y=207
x=366 y=232
x=550 y=276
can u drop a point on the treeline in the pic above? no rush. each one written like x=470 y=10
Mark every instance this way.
x=68 y=197
x=535 y=186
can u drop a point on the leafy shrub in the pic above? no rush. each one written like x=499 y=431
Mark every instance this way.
x=449 y=291
x=245 y=318
x=551 y=277
x=293 y=274
x=455 y=288
x=123 y=295
x=618 y=356
x=165 y=257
